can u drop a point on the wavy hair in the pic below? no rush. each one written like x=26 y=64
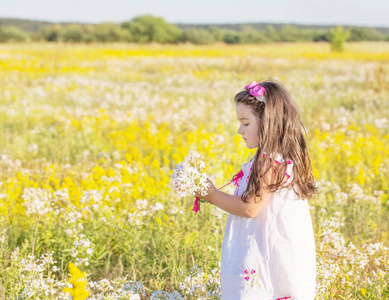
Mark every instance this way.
x=280 y=131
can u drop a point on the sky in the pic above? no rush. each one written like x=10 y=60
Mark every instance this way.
x=373 y=13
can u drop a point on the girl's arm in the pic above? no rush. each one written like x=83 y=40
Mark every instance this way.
x=234 y=204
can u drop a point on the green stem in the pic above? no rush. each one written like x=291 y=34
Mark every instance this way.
x=36 y=232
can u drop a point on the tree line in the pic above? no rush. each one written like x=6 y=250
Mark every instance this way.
x=149 y=28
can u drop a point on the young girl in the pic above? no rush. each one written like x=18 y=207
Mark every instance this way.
x=268 y=247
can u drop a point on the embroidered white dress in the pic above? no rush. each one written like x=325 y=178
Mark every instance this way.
x=271 y=256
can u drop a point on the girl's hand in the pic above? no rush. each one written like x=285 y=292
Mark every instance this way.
x=210 y=191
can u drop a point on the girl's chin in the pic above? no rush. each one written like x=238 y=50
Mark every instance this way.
x=251 y=147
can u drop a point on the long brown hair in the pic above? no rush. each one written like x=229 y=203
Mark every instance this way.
x=280 y=131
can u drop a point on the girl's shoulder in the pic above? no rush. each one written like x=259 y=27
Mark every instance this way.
x=289 y=167
x=247 y=165
x=279 y=159
x=277 y=156
x=249 y=162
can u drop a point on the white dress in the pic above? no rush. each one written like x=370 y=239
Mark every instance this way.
x=271 y=256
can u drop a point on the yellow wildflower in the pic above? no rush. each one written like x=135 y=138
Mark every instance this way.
x=79 y=282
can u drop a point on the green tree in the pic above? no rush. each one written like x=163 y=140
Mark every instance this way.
x=272 y=34
x=89 y=33
x=198 y=36
x=110 y=32
x=289 y=33
x=321 y=36
x=216 y=32
x=148 y=28
x=252 y=36
x=9 y=33
x=50 y=33
x=338 y=36
x=231 y=37
x=73 y=33
x=365 y=34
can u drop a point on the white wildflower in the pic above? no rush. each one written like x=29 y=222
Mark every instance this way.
x=157 y=206
x=188 y=177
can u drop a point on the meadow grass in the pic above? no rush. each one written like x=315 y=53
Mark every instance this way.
x=90 y=135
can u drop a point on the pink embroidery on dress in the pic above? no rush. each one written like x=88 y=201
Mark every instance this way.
x=238 y=177
x=253 y=276
x=283 y=298
x=248 y=176
x=236 y=180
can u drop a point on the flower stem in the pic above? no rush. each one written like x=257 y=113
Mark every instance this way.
x=36 y=232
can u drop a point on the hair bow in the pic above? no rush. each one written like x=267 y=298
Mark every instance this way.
x=257 y=91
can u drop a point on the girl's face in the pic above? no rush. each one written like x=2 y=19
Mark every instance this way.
x=249 y=125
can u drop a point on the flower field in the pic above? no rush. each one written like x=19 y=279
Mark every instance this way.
x=90 y=135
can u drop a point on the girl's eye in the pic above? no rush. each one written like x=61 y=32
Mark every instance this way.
x=246 y=124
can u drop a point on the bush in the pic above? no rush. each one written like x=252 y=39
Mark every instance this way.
x=321 y=36
x=337 y=38
x=50 y=33
x=73 y=33
x=251 y=36
x=216 y=32
x=365 y=34
x=110 y=32
x=198 y=36
x=272 y=34
x=231 y=37
x=10 y=33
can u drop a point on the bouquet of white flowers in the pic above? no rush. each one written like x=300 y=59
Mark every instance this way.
x=189 y=177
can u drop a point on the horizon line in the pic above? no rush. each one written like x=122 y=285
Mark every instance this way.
x=203 y=23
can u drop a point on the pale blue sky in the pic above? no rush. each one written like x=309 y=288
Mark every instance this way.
x=326 y=12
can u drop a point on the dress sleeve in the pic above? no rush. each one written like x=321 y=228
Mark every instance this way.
x=289 y=167
x=289 y=171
